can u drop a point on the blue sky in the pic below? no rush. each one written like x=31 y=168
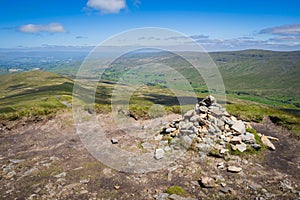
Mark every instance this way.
x=217 y=25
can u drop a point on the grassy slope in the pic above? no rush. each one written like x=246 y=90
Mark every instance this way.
x=33 y=93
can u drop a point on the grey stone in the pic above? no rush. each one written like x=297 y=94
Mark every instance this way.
x=162 y=196
x=159 y=154
x=239 y=126
x=223 y=151
x=211 y=129
x=167 y=148
x=209 y=100
x=63 y=174
x=241 y=147
x=177 y=197
x=195 y=118
x=207 y=182
x=234 y=169
x=54 y=158
x=187 y=132
x=84 y=191
x=236 y=140
x=8 y=167
x=30 y=171
x=84 y=181
x=203 y=109
x=187 y=140
x=187 y=126
x=195 y=129
x=220 y=123
x=114 y=141
x=16 y=161
x=169 y=130
x=144 y=127
x=248 y=138
x=227 y=120
x=203 y=147
x=189 y=114
x=220 y=165
x=255 y=146
x=10 y=174
x=192 y=136
x=225 y=190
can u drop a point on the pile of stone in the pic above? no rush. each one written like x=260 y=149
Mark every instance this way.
x=211 y=129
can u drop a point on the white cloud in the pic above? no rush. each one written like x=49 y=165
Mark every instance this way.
x=292 y=29
x=107 y=6
x=35 y=28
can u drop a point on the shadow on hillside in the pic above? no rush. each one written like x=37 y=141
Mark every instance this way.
x=295 y=112
x=170 y=100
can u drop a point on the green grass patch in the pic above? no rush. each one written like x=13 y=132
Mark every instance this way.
x=177 y=190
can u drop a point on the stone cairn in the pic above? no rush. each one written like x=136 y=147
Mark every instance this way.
x=212 y=130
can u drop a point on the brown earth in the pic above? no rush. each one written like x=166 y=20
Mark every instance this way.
x=45 y=159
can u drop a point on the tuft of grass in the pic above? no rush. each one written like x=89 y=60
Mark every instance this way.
x=177 y=190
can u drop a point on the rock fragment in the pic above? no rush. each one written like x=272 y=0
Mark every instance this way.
x=159 y=154
x=114 y=141
x=207 y=182
x=267 y=142
x=234 y=169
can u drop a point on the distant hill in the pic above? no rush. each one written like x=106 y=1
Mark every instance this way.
x=261 y=72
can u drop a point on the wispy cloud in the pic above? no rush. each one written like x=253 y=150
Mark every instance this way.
x=276 y=43
x=107 y=6
x=197 y=37
x=35 y=28
x=292 y=29
x=81 y=37
x=285 y=38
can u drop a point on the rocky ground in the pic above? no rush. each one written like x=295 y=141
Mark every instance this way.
x=45 y=159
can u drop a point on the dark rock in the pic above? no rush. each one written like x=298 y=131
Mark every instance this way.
x=209 y=100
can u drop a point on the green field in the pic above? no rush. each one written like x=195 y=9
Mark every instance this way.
x=258 y=83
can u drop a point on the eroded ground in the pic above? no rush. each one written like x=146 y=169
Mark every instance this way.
x=45 y=159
